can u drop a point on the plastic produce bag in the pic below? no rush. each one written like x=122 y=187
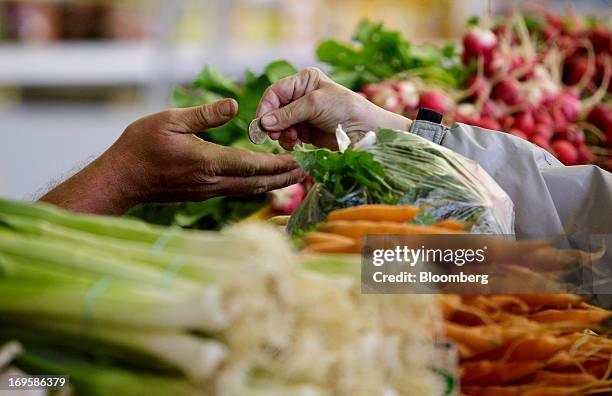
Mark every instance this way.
x=402 y=168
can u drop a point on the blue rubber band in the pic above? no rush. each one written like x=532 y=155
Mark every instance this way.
x=90 y=298
x=173 y=268
x=164 y=238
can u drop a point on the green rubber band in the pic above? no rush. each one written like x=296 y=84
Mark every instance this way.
x=163 y=239
x=90 y=298
x=171 y=271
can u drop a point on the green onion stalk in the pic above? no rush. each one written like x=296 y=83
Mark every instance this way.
x=125 y=307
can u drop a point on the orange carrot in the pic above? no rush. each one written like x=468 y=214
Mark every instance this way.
x=360 y=228
x=332 y=247
x=558 y=301
x=324 y=237
x=530 y=347
x=521 y=390
x=451 y=224
x=396 y=214
x=563 y=379
x=487 y=372
x=578 y=316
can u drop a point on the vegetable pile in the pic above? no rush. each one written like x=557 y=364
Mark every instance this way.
x=529 y=344
x=541 y=78
x=523 y=344
x=128 y=308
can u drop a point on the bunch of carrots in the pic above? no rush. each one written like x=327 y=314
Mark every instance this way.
x=511 y=344
x=529 y=344
x=345 y=228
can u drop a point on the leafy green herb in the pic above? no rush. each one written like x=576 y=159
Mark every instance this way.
x=352 y=173
x=210 y=85
x=378 y=54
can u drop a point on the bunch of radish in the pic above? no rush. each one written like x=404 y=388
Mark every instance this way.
x=548 y=84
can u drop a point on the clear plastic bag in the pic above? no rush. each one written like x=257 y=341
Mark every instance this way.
x=441 y=182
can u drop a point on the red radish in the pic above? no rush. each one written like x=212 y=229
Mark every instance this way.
x=477 y=42
x=490 y=109
x=486 y=123
x=506 y=121
x=388 y=99
x=601 y=38
x=574 y=69
x=508 y=91
x=436 y=100
x=571 y=133
x=478 y=85
x=543 y=119
x=601 y=117
x=286 y=200
x=566 y=152
x=569 y=105
x=540 y=141
x=559 y=121
x=544 y=132
x=525 y=122
x=495 y=64
x=408 y=94
x=585 y=155
x=370 y=89
x=517 y=133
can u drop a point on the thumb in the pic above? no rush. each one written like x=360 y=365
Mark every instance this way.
x=292 y=114
x=198 y=118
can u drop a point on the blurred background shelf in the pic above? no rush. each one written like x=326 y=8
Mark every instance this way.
x=74 y=73
x=117 y=64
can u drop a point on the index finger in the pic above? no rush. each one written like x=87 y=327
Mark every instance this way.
x=238 y=162
x=288 y=89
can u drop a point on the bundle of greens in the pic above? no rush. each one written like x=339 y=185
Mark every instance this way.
x=130 y=308
x=403 y=169
x=378 y=54
x=209 y=86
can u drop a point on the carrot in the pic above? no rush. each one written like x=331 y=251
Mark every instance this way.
x=578 y=316
x=558 y=301
x=360 y=228
x=487 y=372
x=482 y=339
x=448 y=303
x=451 y=224
x=332 y=247
x=491 y=390
x=521 y=390
x=396 y=214
x=563 y=379
x=324 y=237
x=475 y=338
x=530 y=347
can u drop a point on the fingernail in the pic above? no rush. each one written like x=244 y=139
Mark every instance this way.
x=225 y=108
x=269 y=120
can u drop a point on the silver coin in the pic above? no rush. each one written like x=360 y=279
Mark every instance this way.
x=257 y=135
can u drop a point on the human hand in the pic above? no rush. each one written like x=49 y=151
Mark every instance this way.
x=159 y=159
x=308 y=106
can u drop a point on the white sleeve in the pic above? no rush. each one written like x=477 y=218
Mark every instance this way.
x=547 y=195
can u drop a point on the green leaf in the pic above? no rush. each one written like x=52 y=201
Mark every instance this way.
x=474 y=20
x=184 y=97
x=279 y=69
x=212 y=80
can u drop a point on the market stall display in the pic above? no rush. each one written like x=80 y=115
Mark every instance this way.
x=124 y=306
x=540 y=77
